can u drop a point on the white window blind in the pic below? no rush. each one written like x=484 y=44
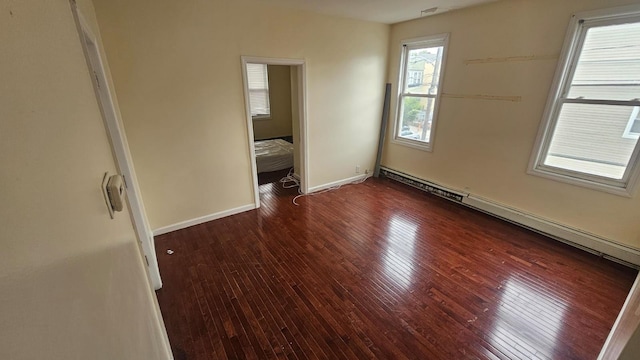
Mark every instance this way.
x=258 y=83
x=589 y=130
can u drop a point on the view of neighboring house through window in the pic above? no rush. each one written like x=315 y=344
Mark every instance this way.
x=591 y=128
x=421 y=71
x=258 y=82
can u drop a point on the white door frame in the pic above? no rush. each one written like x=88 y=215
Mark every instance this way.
x=119 y=144
x=300 y=66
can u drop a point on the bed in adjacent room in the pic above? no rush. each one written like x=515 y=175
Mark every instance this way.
x=273 y=155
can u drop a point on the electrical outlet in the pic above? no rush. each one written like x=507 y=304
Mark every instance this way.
x=357 y=169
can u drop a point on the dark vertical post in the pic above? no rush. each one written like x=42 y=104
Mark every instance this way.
x=383 y=128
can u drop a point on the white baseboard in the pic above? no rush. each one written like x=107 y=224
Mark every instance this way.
x=575 y=237
x=337 y=183
x=581 y=239
x=202 y=219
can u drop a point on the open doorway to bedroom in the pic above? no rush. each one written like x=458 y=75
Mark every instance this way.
x=271 y=113
x=276 y=122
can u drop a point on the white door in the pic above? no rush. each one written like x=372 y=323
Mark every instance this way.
x=120 y=147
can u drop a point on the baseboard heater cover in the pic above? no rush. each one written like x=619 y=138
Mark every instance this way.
x=588 y=242
x=423 y=185
x=578 y=238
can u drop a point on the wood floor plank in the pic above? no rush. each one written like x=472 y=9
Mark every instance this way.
x=380 y=270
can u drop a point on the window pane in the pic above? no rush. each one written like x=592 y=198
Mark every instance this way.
x=423 y=67
x=417 y=115
x=589 y=139
x=609 y=65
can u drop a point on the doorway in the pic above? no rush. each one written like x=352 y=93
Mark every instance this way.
x=260 y=114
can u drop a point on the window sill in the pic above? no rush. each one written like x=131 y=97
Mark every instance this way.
x=625 y=190
x=261 y=117
x=416 y=144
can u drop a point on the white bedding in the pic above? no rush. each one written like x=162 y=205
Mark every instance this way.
x=273 y=155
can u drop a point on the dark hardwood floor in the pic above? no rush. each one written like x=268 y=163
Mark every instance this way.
x=380 y=270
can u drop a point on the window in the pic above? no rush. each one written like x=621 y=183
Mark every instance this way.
x=258 y=82
x=589 y=135
x=418 y=95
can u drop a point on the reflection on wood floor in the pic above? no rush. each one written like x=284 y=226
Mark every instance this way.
x=380 y=270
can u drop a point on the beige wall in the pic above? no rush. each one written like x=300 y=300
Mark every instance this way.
x=72 y=283
x=177 y=72
x=279 y=124
x=483 y=147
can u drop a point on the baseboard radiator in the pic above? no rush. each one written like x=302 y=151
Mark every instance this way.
x=423 y=185
x=595 y=244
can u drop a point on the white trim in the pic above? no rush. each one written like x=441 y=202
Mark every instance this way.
x=157 y=314
x=563 y=176
x=416 y=144
x=300 y=65
x=608 y=350
x=202 y=219
x=250 y=135
x=120 y=148
x=338 y=183
x=560 y=232
x=405 y=46
x=119 y=143
x=304 y=176
x=615 y=12
x=600 y=102
x=573 y=42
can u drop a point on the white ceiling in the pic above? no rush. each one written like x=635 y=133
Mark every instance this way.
x=384 y=11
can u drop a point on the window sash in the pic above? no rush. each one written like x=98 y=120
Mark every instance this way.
x=631 y=103
x=573 y=48
x=630 y=167
x=419 y=95
x=405 y=66
x=440 y=40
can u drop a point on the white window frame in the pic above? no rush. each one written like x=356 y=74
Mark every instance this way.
x=405 y=46
x=635 y=116
x=578 y=26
